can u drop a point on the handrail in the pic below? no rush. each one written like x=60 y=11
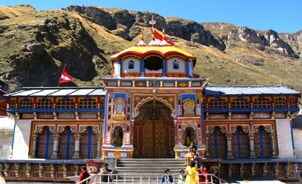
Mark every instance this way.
x=141 y=178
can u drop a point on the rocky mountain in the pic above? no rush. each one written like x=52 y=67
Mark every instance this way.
x=35 y=45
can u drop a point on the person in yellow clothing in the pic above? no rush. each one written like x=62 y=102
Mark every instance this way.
x=192 y=174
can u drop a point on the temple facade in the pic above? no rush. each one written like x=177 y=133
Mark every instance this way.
x=153 y=106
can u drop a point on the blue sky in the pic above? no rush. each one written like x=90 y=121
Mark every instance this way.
x=279 y=15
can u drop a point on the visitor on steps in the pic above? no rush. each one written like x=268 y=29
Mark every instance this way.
x=106 y=173
x=181 y=177
x=192 y=174
x=84 y=175
x=166 y=178
x=2 y=180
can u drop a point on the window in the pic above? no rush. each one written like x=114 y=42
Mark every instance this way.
x=44 y=103
x=240 y=144
x=66 y=144
x=217 y=103
x=117 y=137
x=44 y=143
x=262 y=102
x=280 y=102
x=88 y=144
x=240 y=103
x=65 y=103
x=217 y=144
x=175 y=65
x=131 y=65
x=153 y=63
x=87 y=103
x=189 y=137
x=263 y=143
x=25 y=103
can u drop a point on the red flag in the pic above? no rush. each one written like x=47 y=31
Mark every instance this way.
x=65 y=77
x=158 y=35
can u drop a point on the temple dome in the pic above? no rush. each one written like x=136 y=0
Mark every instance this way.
x=143 y=51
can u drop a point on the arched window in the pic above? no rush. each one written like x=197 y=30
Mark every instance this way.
x=88 y=144
x=117 y=137
x=66 y=144
x=131 y=65
x=153 y=63
x=240 y=144
x=263 y=143
x=189 y=137
x=44 y=143
x=217 y=144
x=175 y=65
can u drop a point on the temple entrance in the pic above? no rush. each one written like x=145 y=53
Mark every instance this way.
x=154 y=131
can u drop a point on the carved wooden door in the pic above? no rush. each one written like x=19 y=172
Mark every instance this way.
x=154 y=133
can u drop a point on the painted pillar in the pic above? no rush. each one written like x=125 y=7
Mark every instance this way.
x=76 y=153
x=55 y=146
x=252 y=141
x=229 y=145
x=34 y=145
x=203 y=129
x=274 y=147
x=99 y=143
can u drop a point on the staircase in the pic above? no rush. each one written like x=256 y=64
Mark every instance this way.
x=149 y=166
x=147 y=171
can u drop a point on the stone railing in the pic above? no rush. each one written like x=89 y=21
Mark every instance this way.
x=40 y=170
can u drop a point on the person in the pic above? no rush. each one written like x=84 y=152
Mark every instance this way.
x=84 y=175
x=2 y=180
x=167 y=178
x=181 y=177
x=105 y=172
x=189 y=156
x=192 y=174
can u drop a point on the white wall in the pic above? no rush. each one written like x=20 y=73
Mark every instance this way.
x=117 y=69
x=6 y=136
x=182 y=65
x=284 y=137
x=136 y=65
x=298 y=142
x=21 y=139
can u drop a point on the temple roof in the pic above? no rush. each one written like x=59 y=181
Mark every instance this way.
x=142 y=51
x=58 y=91
x=249 y=90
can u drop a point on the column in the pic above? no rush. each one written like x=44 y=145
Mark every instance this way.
x=55 y=146
x=76 y=154
x=229 y=145
x=252 y=141
x=34 y=145
x=273 y=137
x=99 y=142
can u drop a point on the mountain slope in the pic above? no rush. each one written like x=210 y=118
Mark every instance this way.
x=37 y=44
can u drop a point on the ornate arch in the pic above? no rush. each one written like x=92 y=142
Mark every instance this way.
x=148 y=99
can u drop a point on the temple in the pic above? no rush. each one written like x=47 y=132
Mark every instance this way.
x=154 y=106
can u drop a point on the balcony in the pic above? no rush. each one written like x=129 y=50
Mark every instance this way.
x=25 y=110
x=65 y=110
x=262 y=109
x=44 y=110
x=281 y=109
x=89 y=109
x=217 y=110
x=240 y=109
x=294 y=108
